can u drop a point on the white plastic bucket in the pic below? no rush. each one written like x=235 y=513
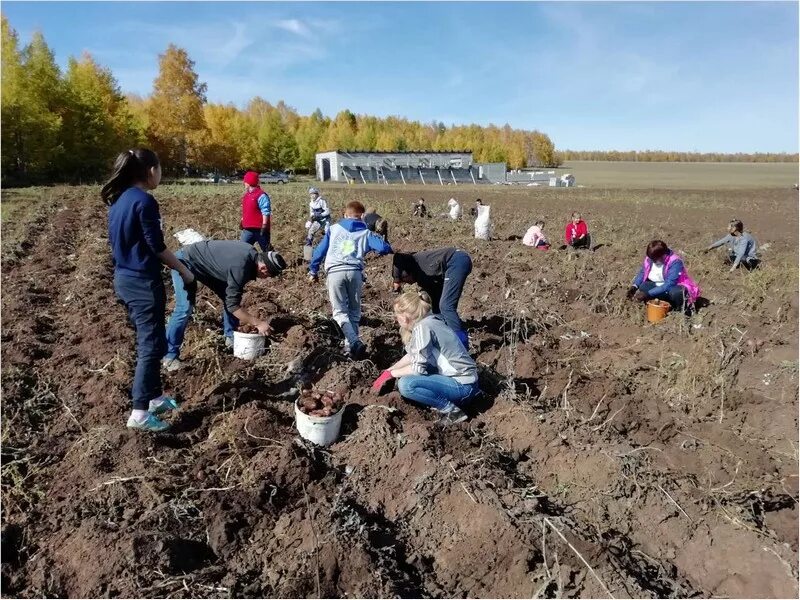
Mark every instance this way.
x=320 y=430
x=248 y=346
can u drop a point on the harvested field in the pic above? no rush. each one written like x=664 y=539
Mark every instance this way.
x=681 y=176
x=608 y=457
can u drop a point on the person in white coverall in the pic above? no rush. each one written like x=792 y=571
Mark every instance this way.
x=319 y=215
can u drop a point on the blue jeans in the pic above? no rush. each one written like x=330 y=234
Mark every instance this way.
x=676 y=296
x=146 y=301
x=184 y=307
x=458 y=268
x=436 y=391
x=251 y=236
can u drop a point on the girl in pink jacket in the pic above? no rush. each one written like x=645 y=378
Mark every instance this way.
x=535 y=238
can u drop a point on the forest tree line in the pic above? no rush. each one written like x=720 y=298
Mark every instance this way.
x=68 y=126
x=667 y=156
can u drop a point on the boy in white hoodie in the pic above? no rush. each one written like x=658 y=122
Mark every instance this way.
x=342 y=250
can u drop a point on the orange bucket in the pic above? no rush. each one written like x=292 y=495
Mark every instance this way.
x=657 y=310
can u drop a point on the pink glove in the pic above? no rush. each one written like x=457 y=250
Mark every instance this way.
x=381 y=381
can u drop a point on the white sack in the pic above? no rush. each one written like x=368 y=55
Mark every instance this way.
x=482 y=224
x=188 y=236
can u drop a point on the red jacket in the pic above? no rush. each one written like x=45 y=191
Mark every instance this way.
x=251 y=214
x=575 y=230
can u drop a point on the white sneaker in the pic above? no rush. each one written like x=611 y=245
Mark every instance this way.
x=172 y=364
x=452 y=416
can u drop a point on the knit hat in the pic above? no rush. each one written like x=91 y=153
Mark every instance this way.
x=273 y=260
x=251 y=178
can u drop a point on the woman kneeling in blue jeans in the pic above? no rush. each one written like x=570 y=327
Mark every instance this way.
x=437 y=370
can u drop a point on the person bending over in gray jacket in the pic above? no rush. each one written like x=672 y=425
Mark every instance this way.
x=225 y=267
x=742 y=246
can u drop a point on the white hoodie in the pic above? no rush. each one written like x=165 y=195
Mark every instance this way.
x=455 y=209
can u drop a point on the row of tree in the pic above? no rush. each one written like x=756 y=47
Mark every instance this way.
x=664 y=156
x=69 y=126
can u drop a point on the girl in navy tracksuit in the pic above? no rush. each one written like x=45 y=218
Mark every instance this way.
x=137 y=245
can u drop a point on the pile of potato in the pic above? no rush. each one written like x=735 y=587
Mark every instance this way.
x=320 y=404
x=248 y=329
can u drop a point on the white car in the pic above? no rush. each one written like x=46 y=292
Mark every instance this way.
x=279 y=177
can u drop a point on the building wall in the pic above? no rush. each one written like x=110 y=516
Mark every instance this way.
x=390 y=159
x=333 y=157
x=405 y=159
x=492 y=172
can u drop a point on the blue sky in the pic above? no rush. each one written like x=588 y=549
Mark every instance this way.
x=707 y=77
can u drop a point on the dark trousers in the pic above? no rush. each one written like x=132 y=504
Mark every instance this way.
x=251 y=236
x=676 y=296
x=747 y=263
x=146 y=301
x=458 y=268
x=584 y=242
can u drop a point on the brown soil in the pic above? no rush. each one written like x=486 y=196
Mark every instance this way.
x=608 y=455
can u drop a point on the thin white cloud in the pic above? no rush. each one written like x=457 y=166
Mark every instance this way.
x=295 y=26
x=309 y=28
x=219 y=44
x=235 y=45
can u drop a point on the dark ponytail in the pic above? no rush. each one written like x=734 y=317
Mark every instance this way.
x=130 y=168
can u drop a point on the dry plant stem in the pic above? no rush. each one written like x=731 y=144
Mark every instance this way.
x=609 y=419
x=211 y=489
x=116 y=480
x=578 y=554
x=462 y=484
x=257 y=437
x=544 y=552
x=717 y=489
x=789 y=569
x=594 y=412
x=104 y=368
x=542 y=587
x=388 y=408
x=635 y=450
x=671 y=499
x=566 y=405
x=316 y=544
x=64 y=404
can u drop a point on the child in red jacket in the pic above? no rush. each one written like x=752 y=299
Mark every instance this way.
x=576 y=233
